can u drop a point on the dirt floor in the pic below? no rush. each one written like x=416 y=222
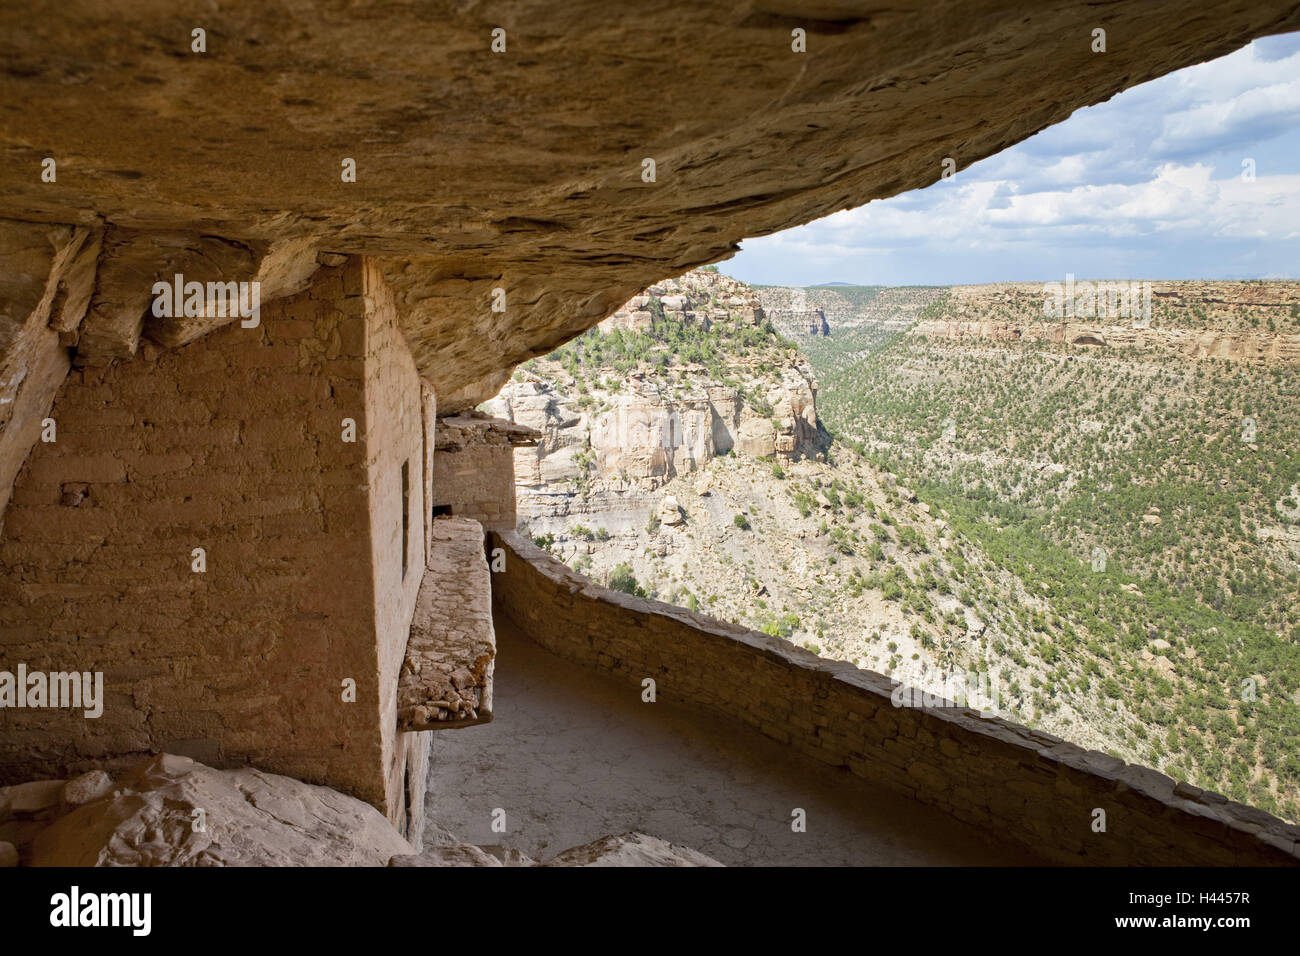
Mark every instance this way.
x=572 y=756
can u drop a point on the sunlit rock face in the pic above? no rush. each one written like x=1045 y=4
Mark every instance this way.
x=1192 y=320
x=710 y=378
x=523 y=170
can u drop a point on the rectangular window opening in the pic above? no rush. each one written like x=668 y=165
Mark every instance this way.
x=406 y=515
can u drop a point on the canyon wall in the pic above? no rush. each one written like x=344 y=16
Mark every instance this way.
x=1237 y=346
x=613 y=428
x=1251 y=321
x=810 y=311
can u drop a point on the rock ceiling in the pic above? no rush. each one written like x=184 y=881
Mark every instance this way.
x=523 y=169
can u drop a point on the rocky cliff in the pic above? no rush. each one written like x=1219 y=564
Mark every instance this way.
x=800 y=311
x=684 y=372
x=1257 y=321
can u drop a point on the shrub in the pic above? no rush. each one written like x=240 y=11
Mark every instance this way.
x=622 y=579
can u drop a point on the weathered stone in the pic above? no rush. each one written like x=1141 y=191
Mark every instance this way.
x=446 y=678
x=631 y=849
x=670 y=511
x=279 y=268
x=249 y=818
x=89 y=786
x=33 y=797
x=37 y=262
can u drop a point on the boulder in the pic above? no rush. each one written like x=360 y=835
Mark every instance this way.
x=248 y=818
x=89 y=786
x=26 y=799
x=631 y=849
x=670 y=511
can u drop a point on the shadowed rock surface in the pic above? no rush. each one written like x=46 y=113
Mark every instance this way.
x=522 y=170
x=625 y=849
x=250 y=818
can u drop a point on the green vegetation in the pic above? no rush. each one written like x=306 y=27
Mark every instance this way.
x=622 y=579
x=1054 y=461
x=1095 y=526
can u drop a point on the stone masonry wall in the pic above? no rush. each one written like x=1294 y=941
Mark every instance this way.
x=232 y=444
x=394 y=437
x=1019 y=784
x=477 y=482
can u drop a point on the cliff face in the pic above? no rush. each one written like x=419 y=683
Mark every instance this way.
x=649 y=431
x=1187 y=343
x=1235 y=321
x=684 y=372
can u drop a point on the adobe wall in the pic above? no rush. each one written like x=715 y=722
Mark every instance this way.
x=477 y=481
x=233 y=444
x=1018 y=784
x=394 y=437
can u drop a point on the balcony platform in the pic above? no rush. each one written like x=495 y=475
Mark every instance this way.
x=578 y=755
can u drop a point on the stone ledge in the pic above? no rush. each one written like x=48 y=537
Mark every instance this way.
x=456 y=432
x=446 y=678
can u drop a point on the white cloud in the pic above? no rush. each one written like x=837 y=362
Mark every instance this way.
x=1229 y=121
x=1151 y=176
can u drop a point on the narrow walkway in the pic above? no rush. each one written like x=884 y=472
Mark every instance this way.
x=572 y=756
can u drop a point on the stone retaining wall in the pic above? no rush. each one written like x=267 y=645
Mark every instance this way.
x=1018 y=784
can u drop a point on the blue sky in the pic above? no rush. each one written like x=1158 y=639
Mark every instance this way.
x=1148 y=185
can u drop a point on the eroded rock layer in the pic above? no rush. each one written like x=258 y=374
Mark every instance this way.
x=525 y=169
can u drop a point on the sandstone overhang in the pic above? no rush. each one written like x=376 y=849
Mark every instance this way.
x=521 y=170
